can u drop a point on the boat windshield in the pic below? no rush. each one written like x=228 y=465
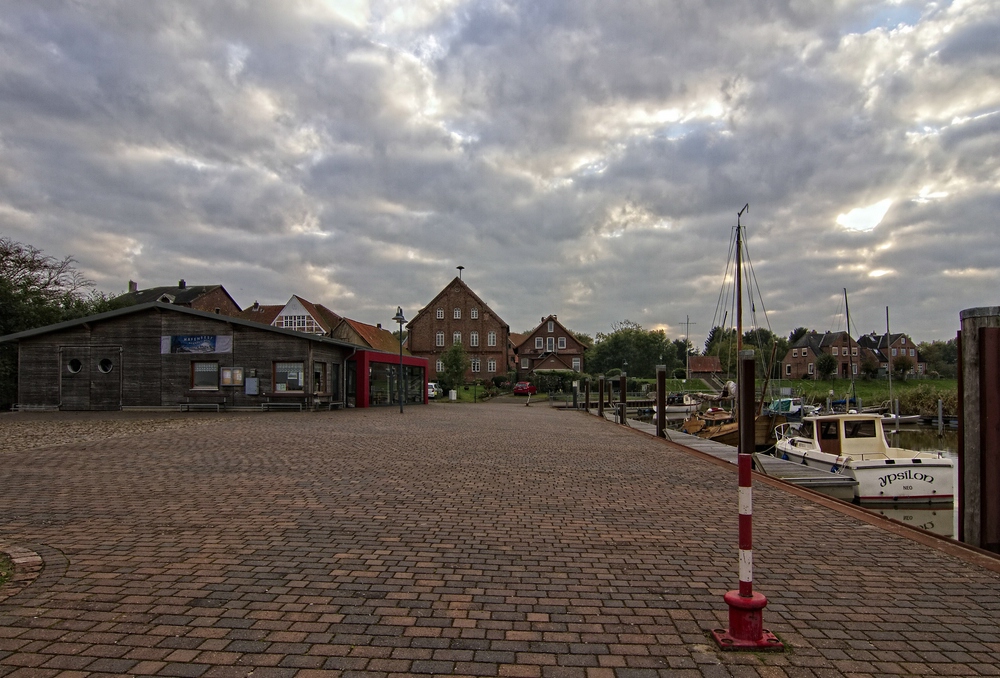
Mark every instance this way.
x=806 y=429
x=859 y=429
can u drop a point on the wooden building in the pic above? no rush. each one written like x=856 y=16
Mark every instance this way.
x=164 y=355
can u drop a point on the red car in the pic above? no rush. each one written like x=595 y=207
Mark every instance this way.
x=524 y=388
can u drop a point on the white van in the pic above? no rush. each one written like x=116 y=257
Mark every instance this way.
x=432 y=389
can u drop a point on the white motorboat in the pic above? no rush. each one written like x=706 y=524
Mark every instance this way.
x=855 y=445
x=678 y=403
x=898 y=419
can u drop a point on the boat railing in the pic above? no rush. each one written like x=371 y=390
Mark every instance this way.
x=786 y=430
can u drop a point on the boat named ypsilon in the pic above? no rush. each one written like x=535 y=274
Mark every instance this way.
x=855 y=445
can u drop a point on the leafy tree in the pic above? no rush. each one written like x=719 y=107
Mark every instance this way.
x=767 y=345
x=901 y=365
x=642 y=349
x=869 y=367
x=826 y=366
x=721 y=342
x=456 y=363
x=941 y=357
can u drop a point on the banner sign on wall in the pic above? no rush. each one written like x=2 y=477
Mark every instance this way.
x=201 y=343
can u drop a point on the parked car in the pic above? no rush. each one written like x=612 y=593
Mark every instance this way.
x=432 y=389
x=524 y=388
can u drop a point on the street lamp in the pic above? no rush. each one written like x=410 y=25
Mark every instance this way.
x=400 y=319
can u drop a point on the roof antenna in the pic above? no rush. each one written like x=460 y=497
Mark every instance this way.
x=460 y=268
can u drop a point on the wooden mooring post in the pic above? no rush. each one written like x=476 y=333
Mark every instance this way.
x=600 y=395
x=623 y=397
x=979 y=427
x=661 y=401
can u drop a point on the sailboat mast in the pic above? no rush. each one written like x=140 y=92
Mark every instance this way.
x=739 y=279
x=888 y=354
x=850 y=353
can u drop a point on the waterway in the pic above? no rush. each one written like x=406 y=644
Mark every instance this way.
x=939 y=520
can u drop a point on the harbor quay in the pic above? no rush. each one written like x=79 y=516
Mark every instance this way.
x=482 y=540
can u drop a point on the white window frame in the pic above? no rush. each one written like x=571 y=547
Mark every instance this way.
x=788 y=369
x=836 y=350
x=456 y=337
x=491 y=339
x=576 y=364
x=893 y=353
x=805 y=352
x=475 y=365
x=561 y=343
x=811 y=369
x=491 y=365
x=539 y=343
x=439 y=314
x=525 y=363
x=854 y=350
x=439 y=366
x=550 y=344
x=913 y=352
x=552 y=327
x=474 y=313
x=457 y=315
x=795 y=353
x=439 y=338
x=474 y=338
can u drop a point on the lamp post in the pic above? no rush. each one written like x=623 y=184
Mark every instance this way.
x=400 y=319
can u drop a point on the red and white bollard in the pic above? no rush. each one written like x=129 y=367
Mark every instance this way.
x=746 y=609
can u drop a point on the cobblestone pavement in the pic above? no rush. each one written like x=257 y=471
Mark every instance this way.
x=480 y=540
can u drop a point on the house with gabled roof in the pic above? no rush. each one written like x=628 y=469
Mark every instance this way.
x=363 y=334
x=800 y=360
x=208 y=298
x=550 y=347
x=457 y=315
x=887 y=348
x=304 y=316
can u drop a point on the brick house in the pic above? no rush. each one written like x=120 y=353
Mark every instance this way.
x=800 y=361
x=207 y=298
x=458 y=316
x=549 y=347
x=894 y=346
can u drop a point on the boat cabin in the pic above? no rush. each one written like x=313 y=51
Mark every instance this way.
x=846 y=435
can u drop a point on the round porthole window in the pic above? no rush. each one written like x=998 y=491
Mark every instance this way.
x=105 y=365
x=74 y=366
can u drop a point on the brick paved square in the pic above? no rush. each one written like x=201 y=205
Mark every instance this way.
x=487 y=540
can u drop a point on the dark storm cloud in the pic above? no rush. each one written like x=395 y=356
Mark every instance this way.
x=585 y=158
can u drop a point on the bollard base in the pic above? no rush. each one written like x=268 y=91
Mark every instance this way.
x=746 y=632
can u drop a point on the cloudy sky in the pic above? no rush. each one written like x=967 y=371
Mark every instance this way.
x=580 y=157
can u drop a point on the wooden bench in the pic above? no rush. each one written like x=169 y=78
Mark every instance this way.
x=281 y=401
x=198 y=401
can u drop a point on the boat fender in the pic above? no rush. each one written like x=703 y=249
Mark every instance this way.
x=784 y=455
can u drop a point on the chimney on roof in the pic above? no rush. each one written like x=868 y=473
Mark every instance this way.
x=133 y=286
x=181 y=284
x=378 y=325
x=256 y=305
